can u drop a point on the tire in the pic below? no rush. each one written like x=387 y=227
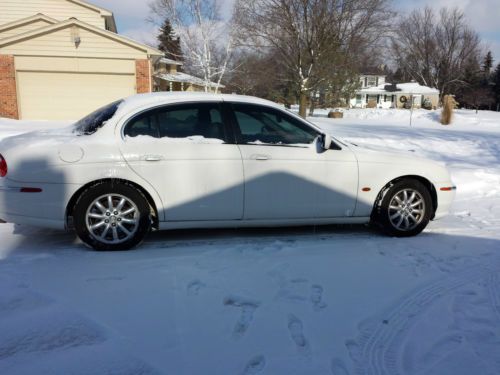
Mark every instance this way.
x=121 y=228
x=406 y=209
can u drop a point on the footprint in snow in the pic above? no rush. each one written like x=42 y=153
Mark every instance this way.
x=338 y=367
x=296 y=329
x=255 y=366
x=247 y=310
x=441 y=348
x=317 y=298
x=194 y=287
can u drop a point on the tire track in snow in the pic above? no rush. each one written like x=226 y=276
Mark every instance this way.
x=376 y=350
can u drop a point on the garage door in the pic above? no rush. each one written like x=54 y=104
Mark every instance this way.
x=69 y=96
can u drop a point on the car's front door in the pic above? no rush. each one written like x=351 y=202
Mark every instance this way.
x=184 y=151
x=287 y=176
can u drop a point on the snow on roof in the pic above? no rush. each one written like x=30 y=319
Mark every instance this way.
x=402 y=88
x=159 y=98
x=185 y=78
x=166 y=60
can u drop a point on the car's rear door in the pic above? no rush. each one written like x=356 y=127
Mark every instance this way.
x=185 y=152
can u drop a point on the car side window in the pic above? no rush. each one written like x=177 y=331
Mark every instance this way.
x=180 y=121
x=192 y=120
x=263 y=125
x=145 y=124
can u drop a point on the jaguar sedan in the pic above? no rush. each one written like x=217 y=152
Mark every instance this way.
x=178 y=160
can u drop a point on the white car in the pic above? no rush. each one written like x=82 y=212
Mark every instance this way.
x=178 y=160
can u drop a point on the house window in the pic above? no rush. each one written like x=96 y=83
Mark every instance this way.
x=358 y=99
x=371 y=81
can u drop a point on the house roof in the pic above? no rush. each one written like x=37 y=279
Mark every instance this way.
x=185 y=78
x=168 y=61
x=75 y=22
x=28 y=20
x=401 y=88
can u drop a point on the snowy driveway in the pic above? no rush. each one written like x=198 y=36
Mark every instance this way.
x=330 y=300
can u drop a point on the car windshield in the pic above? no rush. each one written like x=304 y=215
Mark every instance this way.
x=96 y=120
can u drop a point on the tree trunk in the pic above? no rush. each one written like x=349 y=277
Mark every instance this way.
x=312 y=105
x=303 y=104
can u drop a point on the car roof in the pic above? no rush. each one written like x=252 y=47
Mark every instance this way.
x=158 y=98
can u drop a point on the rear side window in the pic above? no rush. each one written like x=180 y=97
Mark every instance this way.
x=96 y=120
x=201 y=120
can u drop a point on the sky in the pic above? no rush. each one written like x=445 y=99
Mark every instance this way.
x=131 y=17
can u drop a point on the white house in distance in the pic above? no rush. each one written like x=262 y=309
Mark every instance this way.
x=62 y=59
x=375 y=92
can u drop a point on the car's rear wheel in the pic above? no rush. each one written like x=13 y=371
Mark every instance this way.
x=406 y=209
x=112 y=216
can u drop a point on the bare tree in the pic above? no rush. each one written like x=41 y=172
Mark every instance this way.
x=435 y=49
x=309 y=36
x=206 y=38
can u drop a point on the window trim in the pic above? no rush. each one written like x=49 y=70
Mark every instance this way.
x=229 y=139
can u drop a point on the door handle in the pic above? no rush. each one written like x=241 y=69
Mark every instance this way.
x=261 y=157
x=153 y=158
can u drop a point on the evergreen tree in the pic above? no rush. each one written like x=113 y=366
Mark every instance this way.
x=496 y=86
x=169 y=43
x=488 y=64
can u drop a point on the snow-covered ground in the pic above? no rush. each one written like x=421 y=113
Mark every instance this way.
x=330 y=300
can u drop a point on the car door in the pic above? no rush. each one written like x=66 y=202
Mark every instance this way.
x=287 y=174
x=185 y=152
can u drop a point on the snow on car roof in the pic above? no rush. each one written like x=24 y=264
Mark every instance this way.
x=145 y=100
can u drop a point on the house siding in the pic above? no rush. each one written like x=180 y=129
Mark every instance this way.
x=8 y=92
x=13 y=10
x=23 y=28
x=61 y=43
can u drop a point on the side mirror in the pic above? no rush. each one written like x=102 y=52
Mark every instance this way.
x=327 y=141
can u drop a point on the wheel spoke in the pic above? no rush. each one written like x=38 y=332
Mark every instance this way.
x=115 y=234
x=96 y=216
x=400 y=222
x=105 y=231
x=128 y=212
x=120 y=205
x=100 y=207
x=413 y=218
x=396 y=215
x=405 y=196
x=129 y=221
x=407 y=223
x=395 y=208
x=398 y=200
x=110 y=203
x=412 y=197
x=124 y=230
x=418 y=212
x=98 y=225
x=417 y=203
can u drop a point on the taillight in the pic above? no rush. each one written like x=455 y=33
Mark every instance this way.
x=3 y=166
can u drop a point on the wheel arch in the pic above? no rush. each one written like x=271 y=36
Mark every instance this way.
x=72 y=202
x=427 y=183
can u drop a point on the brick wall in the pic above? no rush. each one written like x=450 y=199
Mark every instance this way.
x=8 y=89
x=142 y=76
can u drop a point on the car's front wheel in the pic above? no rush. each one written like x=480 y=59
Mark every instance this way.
x=112 y=216
x=406 y=209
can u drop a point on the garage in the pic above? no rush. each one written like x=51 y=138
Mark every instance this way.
x=63 y=98
x=67 y=70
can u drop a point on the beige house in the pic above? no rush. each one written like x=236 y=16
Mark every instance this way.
x=167 y=77
x=62 y=59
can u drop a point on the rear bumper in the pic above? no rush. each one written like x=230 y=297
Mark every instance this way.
x=45 y=208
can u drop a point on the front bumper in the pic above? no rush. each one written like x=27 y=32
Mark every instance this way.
x=446 y=193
